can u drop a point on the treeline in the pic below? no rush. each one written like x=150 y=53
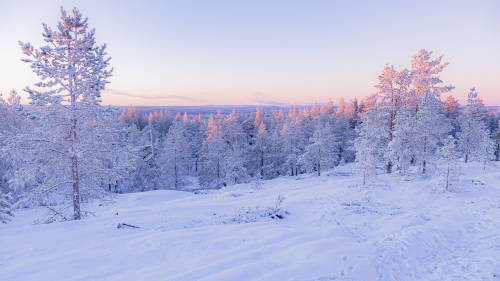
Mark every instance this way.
x=178 y=151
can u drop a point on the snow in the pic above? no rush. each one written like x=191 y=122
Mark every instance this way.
x=396 y=228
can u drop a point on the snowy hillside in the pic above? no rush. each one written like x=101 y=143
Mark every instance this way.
x=333 y=229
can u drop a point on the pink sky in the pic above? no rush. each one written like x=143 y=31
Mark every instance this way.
x=266 y=52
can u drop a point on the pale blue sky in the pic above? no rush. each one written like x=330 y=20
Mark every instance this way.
x=249 y=52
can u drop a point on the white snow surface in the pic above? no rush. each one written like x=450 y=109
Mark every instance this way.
x=393 y=229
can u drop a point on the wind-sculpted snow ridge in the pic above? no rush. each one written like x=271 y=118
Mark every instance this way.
x=332 y=228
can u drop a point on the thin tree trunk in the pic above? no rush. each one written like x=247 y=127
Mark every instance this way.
x=447 y=177
x=151 y=139
x=218 y=169
x=425 y=151
x=319 y=162
x=497 y=154
x=176 y=184
x=261 y=163
x=364 y=176
x=74 y=159
x=76 y=188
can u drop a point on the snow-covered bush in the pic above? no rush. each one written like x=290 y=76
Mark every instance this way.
x=5 y=207
x=249 y=214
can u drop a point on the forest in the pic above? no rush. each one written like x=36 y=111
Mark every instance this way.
x=66 y=148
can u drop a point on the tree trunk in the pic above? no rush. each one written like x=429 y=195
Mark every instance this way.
x=497 y=153
x=218 y=169
x=447 y=177
x=76 y=188
x=176 y=184
x=467 y=151
x=261 y=163
x=74 y=159
x=151 y=139
x=364 y=176
x=319 y=162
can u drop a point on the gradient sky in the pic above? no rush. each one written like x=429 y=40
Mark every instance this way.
x=265 y=52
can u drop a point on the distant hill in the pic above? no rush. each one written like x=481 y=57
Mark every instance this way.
x=206 y=109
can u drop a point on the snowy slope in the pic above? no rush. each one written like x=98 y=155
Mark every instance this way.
x=395 y=229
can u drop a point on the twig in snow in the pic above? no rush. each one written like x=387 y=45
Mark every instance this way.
x=120 y=225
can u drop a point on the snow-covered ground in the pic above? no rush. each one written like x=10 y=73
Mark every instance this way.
x=394 y=229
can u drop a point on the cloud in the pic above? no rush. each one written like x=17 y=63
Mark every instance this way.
x=125 y=94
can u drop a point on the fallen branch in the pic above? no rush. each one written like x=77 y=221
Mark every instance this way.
x=57 y=213
x=120 y=225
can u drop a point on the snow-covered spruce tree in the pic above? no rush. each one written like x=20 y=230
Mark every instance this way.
x=343 y=136
x=234 y=168
x=472 y=129
x=262 y=145
x=403 y=146
x=148 y=144
x=371 y=143
x=195 y=134
x=176 y=157
x=291 y=146
x=321 y=151
x=212 y=155
x=486 y=148
x=448 y=170
x=5 y=206
x=392 y=94
x=71 y=149
x=431 y=127
x=496 y=143
x=11 y=124
x=452 y=112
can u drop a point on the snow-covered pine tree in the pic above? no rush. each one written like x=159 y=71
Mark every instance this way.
x=5 y=206
x=392 y=94
x=291 y=146
x=341 y=107
x=403 y=146
x=176 y=157
x=471 y=138
x=11 y=124
x=424 y=76
x=71 y=148
x=212 y=155
x=261 y=143
x=148 y=144
x=321 y=151
x=496 y=142
x=430 y=128
x=486 y=148
x=371 y=143
x=234 y=166
x=448 y=171
x=194 y=133
x=343 y=136
x=452 y=112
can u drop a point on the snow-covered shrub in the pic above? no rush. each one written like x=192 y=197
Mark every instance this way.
x=249 y=214
x=257 y=183
x=60 y=214
x=448 y=171
x=5 y=207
